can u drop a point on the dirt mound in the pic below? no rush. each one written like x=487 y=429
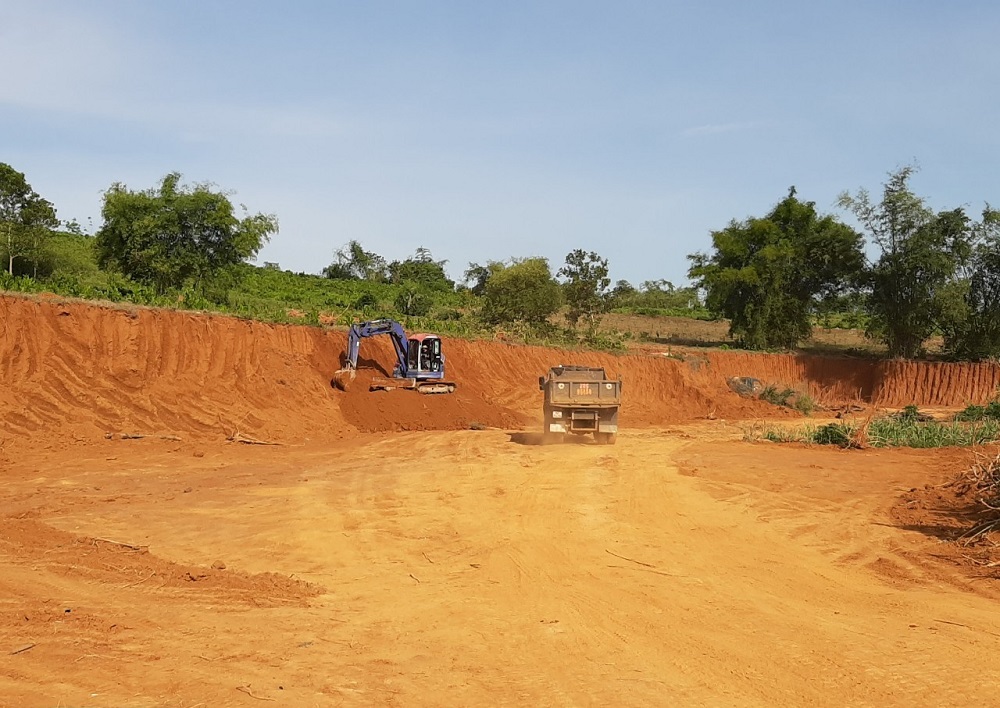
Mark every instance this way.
x=376 y=411
x=105 y=561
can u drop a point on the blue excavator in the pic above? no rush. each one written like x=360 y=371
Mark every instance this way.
x=419 y=359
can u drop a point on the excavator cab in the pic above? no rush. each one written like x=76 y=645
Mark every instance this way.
x=424 y=353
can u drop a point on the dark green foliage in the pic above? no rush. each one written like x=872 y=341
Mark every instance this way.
x=585 y=284
x=172 y=234
x=991 y=411
x=476 y=276
x=366 y=302
x=657 y=298
x=421 y=270
x=26 y=221
x=916 y=285
x=970 y=314
x=522 y=291
x=765 y=275
x=839 y=434
x=789 y=398
x=893 y=431
x=413 y=303
x=353 y=262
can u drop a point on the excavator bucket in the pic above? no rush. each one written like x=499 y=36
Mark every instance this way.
x=343 y=378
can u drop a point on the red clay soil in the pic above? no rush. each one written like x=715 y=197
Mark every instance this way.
x=890 y=383
x=105 y=561
x=85 y=370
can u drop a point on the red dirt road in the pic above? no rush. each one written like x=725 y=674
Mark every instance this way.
x=462 y=568
x=445 y=567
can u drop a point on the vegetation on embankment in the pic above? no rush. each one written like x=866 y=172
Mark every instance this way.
x=773 y=278
x=907 y=428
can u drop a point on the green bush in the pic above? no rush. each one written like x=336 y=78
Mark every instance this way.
x=892 y=431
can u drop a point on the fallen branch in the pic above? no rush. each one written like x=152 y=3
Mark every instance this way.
x=246 y=690
x=140 y=436
x=648 y=570
x=630 y=560
x=23 y=649
x=132 y=585
x=238 y=437
x=130 y=546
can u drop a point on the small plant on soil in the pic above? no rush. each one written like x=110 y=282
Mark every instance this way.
x=991 y=411
x=891 y=431
x=789 y=398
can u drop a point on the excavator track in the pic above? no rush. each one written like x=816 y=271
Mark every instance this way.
x=380 y=383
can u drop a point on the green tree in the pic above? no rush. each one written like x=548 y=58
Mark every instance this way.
x=766 y=274
x=970 y=305
x=352 y=262
x=421 y=269
x=26 y=219
x=413 y=303
x=476 y=276
x=585 y=284
x=172 y=234
x=916 y=278
x=522 y=291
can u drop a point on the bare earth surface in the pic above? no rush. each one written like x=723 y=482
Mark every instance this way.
x=385 y=554
x=680 y=567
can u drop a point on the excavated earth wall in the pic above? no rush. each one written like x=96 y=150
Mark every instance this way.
x=78 y=370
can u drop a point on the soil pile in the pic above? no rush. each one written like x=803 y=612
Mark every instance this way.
x=103 y=561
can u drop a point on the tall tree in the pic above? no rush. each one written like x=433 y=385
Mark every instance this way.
x=25 y=218
x=522 y=291
x=421 y=269
x=352 y=262
x=173 y=233
x=916 y=276
x=766 y=274
x=585 y=284
x=970 y=309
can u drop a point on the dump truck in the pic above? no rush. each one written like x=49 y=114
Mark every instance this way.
x=580 y=400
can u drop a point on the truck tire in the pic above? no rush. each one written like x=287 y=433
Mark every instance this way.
x=605 y=438
x=553 y=438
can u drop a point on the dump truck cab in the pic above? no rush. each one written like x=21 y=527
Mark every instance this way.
x=580 y=400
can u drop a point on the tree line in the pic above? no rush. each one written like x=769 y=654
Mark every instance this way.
x=931 y=273
x=908 y=274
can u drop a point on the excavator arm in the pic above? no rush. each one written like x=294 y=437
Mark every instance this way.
x=363 y=330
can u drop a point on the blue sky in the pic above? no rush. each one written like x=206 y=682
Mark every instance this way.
x=489 y=130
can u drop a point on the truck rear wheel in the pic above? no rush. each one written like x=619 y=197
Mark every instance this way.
x=605 y=438
x=553 y=438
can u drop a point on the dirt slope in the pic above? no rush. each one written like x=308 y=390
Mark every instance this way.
x=887 y=383
x=84 y=370
x=78 y=370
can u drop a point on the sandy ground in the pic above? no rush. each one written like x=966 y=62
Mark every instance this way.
x=680 y=567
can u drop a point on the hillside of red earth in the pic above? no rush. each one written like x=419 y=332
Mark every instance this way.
x=86 y=370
